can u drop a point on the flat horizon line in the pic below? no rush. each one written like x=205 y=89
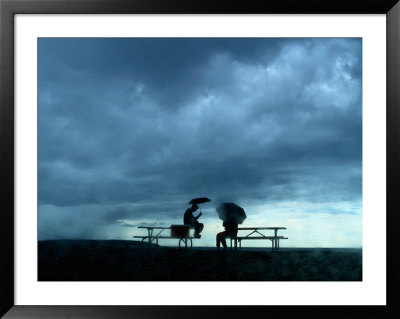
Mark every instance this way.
x=198 y=247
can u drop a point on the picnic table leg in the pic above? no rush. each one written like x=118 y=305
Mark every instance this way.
x=276 y=240
x=184 y=240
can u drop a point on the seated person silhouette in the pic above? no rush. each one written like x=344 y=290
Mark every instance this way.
x=231 y=230
x=189 y=219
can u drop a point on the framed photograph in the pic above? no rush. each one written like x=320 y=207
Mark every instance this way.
x=192 y=159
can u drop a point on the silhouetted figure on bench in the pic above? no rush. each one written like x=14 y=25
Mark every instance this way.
x=189 y=219
x=231 y=230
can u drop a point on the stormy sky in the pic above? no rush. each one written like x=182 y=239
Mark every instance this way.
x=131 y=129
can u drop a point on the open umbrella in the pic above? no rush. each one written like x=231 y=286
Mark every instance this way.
x=199 y=200
x=231 y=212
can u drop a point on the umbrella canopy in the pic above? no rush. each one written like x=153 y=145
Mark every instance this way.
x=199 y=200
x=231 y=212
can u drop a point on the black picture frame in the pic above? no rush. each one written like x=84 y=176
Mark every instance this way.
x=8 y=9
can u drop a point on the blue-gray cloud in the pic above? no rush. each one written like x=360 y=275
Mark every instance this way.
x=130 y=121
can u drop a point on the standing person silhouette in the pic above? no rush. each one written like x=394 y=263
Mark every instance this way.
x=189 y=219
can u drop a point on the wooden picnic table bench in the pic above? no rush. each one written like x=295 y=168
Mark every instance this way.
x=256 y=234
x=155 y=236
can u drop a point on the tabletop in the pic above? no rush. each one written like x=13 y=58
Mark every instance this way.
x=154 y=227
x=256 y=228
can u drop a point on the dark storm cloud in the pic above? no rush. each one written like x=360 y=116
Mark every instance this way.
x=173 y=69
x=149 y=121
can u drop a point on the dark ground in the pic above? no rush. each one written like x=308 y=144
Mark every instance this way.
x=116 y=260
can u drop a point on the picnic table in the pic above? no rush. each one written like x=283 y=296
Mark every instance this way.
x=258 y=233
x=154 y=233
